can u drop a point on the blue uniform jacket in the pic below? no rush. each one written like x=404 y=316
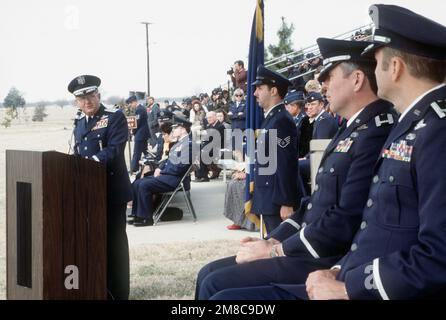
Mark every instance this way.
x=298 y=119
x=142 y=132
x=325 y=126
x=326 y=224
x=178 y=162
x=304 y=133
x=103 y=139
x=400 y=250
x=280 y=188
x=237 y=115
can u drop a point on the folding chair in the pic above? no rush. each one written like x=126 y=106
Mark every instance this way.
x=168 y=196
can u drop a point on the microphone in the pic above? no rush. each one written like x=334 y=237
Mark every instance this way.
x=77 y=117
x=72 y=139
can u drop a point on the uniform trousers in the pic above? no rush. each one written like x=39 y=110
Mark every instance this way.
x=227 y=274
x=118 y=270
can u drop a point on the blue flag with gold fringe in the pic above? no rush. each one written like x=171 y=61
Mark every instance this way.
x=254 y=114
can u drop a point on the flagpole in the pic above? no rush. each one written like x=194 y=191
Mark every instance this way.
x=262 y=232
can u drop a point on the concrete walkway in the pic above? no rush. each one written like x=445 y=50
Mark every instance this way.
x=208 y=200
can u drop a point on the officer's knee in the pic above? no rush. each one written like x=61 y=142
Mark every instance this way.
x=225 y=294
x=204 y=271
x=210 y=285
x=145 y=187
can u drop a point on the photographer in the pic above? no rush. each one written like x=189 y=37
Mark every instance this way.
x=238 y=75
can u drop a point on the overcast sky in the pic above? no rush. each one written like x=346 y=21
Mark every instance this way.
x=46 y=43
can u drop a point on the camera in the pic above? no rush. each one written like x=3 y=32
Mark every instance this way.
x=230 y=72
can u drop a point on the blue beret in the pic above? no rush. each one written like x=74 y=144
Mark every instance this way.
x=337 y=51
x=313 y=96
x=131 y=99
x=83 y=85
x=267 y=76
x=407 y=31
x=293 y=96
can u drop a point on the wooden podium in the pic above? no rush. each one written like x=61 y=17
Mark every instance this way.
x=56 y=226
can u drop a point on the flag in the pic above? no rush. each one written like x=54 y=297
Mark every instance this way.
x=254 y=114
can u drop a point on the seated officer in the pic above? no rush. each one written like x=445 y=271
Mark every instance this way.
x=400 y=252
x=324 y=125
x=165 y=178
x=321 y=231
x=141 y=133
x=101 y=135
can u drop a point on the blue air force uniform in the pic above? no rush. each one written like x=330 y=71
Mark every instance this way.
x=317 y=235
x=103 y=139
x=324 y=126
x=271 y=191
x=278 y=186
x=304 y=128
x=321 y=231
x=141 y=134
x=172 y=170
x=400 y=251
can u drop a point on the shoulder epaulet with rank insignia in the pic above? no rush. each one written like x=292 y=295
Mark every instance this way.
x=384 y=118
x=439 y=107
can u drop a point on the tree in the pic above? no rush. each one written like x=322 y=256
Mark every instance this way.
x=113 y=100
x=285 y=44
x=39 y=112
x=7 y=118
x=14 y=100
x=62 y=103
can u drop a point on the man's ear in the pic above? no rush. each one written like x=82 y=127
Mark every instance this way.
x=359 y=79
x=274 y=91
x=397 y=67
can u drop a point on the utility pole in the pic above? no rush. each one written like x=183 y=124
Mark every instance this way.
x=148 y=65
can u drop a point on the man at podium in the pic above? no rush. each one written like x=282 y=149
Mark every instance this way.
x=100 y=135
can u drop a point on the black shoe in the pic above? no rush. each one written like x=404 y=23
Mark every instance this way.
x=202 y=180
x=143 y=222
x=131 y=218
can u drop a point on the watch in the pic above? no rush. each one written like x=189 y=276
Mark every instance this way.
x=274 y=252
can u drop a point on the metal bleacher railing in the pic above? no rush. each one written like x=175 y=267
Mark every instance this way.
x=299 y=57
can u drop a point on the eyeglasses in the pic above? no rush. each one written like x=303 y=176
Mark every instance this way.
x=88 y=97
x=239 y=95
